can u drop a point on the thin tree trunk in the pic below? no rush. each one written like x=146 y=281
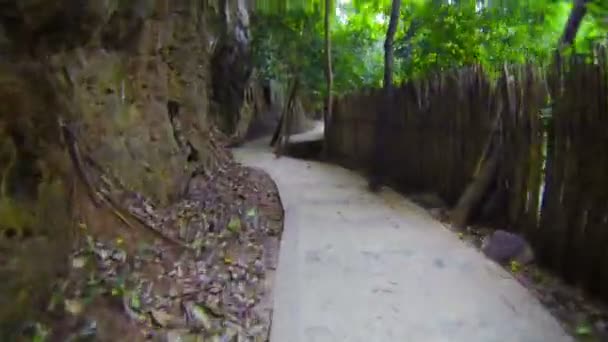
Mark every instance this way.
x=328 y=70
x=277 y=130
x=409 y=35
x=388 y=46
x=474 y=193
x=574 y=23
x=285 y=125
x=486 y=170
x=377 y=169
x=485 y=173
x=571 y=29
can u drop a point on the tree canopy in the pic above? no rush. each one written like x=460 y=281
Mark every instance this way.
x=432 y=35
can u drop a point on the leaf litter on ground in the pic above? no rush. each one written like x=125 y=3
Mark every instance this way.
x=207 y=292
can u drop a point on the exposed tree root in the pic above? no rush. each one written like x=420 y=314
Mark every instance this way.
x=103 y=196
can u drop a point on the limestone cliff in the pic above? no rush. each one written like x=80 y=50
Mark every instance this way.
x=133 y=87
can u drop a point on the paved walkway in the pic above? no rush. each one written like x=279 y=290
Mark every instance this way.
x=315 y=134
x=355 y=266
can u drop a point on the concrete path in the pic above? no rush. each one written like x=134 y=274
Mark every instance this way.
x=315 y=134
x=355 y=266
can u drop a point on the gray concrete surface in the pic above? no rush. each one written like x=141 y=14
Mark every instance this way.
x=314 y=134
x=355 y=266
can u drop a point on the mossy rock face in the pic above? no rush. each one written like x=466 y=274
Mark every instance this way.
x=35 y=220
x=146 y=55
x=33 y=251
x=133 y=79
x=129 y=61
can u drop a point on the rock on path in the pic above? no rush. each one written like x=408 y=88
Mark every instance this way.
x=356 y=266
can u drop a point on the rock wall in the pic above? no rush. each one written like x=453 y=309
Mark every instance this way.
x=142 y=79
x=134 y=87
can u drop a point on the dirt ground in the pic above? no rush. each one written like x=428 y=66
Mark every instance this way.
x=204 y=273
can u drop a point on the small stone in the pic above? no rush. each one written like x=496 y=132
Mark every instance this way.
x=173 y=292
x=203 y=278
x=79 y=262
x=503 y=247
x=102 y=253
x=258 y=266
x=88 y=330
x=120 y=256
x=73 y=306
x=162 y=318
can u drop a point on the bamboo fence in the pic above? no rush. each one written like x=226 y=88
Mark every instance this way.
x=552 y=183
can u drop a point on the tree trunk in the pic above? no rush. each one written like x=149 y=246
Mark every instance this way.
x=487 y=168
x=485 y=173
x=377 y=176
x=328 y=69
x=388 y=46
x=572 y=25
x=285 y=124
x=277 y=130
x=474 y=193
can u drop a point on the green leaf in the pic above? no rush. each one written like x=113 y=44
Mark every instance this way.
x=515 y=266
x=251 y=212
x=41 y=334
x=135 y=301
x=199 y=315
x=56 y=299
x=234 y=225
x=584 y=329
x=116 y=291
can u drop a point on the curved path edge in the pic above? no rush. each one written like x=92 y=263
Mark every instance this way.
x=355 y=266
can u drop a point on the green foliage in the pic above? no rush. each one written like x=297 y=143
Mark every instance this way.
x=433 y=35
x=584 y=329
x=286 y=44
x=234 y=225
x=593 y=30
